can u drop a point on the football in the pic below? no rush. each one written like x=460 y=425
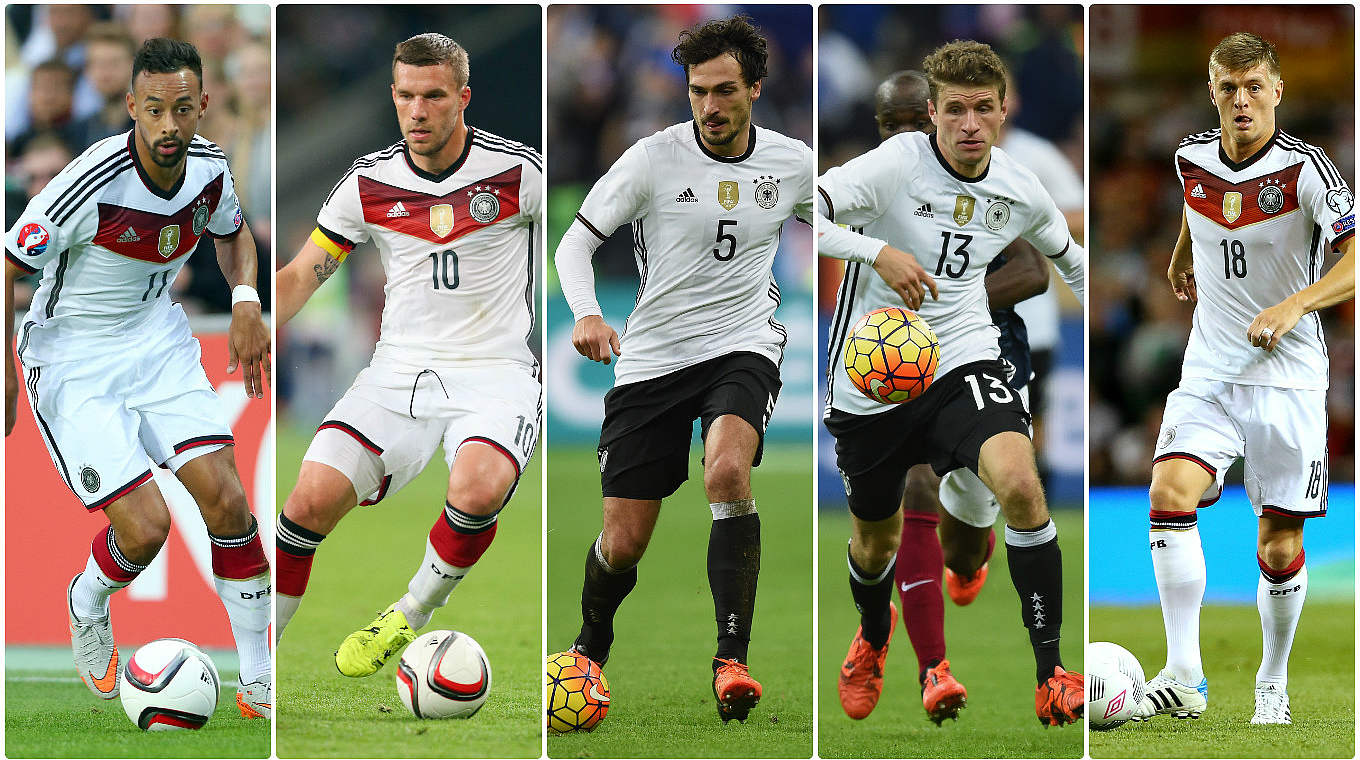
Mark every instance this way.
x=443 y=674
x=891 y=355
x=578 y=694
x=1114 y=685
x=169 y=685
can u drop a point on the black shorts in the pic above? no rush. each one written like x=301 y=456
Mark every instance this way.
x=944 y=428
x=644 y=442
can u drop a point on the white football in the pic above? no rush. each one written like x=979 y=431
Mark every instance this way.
x=443 y=674
x=1114 y=685
x=169 y=685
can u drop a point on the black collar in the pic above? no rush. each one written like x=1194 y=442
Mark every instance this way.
x=146 y=178
x=940 y=157
x=1249 y=160
x=750 y=147
x=440 y=177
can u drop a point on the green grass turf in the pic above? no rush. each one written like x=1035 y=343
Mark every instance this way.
x=659 y=670
x=988 y=651
x=363 y=566
x=50 y=713
x=1321 y=685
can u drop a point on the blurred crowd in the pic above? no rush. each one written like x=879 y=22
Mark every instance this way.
x=611 y=82
x=67 y=69
x=1148 y=90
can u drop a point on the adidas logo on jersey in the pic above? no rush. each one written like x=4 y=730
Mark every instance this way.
x=686 y=197
x=924 y=211
x=129 y=236
x=397 y=210
x=1198 y=192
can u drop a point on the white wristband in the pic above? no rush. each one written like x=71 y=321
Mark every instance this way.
x=244 y=293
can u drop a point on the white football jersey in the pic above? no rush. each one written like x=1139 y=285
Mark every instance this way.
x=705 y=232
x=1259 y=230
x=458 y=249
x=110 y=244
x=902 y=192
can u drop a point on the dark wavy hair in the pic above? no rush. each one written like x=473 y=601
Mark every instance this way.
x=736 y=35
x=162 y=55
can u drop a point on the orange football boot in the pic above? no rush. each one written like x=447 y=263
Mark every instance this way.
x=1061 y=699
x=942 y=695
x=861 y=681
x=964 y=590
x=734 y=688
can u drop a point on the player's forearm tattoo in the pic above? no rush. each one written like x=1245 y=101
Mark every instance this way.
x=325 y=269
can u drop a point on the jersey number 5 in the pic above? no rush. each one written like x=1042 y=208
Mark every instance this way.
x=445 y=269
x=725 y=237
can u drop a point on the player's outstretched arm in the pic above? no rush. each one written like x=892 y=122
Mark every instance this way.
x=1023 y=276
x=248 y=335
x=300 y=278
x=11 y=374
x=1181 y=273
x=1332 y=288
x=899 y=269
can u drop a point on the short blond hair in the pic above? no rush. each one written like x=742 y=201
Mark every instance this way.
x=433 y=49
x=1244 y=51
x=965 y=63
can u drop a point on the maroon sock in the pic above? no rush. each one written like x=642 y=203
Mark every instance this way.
x=294 y=549
x=920 y=574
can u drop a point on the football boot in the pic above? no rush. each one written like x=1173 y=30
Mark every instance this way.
x=941 y=694
x=365 y=651
x=1171 y=697
x=255 y=699
x=1061 y=699
x=861 y=680
x=734 y=688
x=92 y=645
x=1272 y=705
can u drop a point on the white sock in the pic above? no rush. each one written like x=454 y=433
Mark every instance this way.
x=284 y=608
x=247 y=603
x=429 y=588
x=1280 y=605
x=90 y=596
x=1178 y=564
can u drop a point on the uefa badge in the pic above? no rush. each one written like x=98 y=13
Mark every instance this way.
x=963 y=209
x=728 y=194
x=200 y=219
x=1271 y=198
x=997 y=215
x=1232 y=206
x=484 y=207
x=168 y=242
x=441 y=219
x=33 y=239
x=767 y=192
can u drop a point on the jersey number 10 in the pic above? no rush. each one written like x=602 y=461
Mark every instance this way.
x=445 y=269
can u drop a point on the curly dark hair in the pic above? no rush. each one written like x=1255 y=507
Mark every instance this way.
x=162 y=55
x=736 y=35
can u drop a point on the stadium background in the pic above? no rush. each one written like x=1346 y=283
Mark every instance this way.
x=81 y=58
x=1148 y=90
x=858 y=46
x=335 y=105
x=611 y=82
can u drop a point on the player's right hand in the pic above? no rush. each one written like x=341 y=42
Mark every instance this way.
x=1182 y=282
x=905 y=275
x=595 y=340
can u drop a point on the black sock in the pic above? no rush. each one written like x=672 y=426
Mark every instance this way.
x=733 y=567
x=601 y=594
x=1036 y=571
x=872 y=594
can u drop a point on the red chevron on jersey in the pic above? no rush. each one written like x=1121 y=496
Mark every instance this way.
x=157 y=238
x=441 y=219
x=1239 y=204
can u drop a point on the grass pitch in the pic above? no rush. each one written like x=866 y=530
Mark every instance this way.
x=50 y=713
x=659 y=668
x=1321 y=685
x=362 y=567
x=988 y=651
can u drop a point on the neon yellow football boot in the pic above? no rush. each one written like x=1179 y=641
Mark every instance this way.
x=365 y=651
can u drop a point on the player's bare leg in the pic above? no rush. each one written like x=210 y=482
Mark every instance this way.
x=240 y=570
x=871 y=556
x=138 y=526
x=1280 y=593
x=1006 y=466
x=611 y=570
x=321 y=498
x=1178 y=485
x=733 y=559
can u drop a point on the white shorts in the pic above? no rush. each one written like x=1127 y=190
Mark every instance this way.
x=965 y=497
x=102 y=417
x=384 y=430
x=1281 y=433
